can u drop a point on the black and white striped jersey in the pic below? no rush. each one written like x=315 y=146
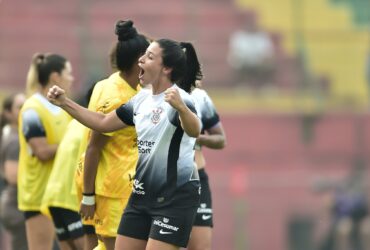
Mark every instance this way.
x=166 y=152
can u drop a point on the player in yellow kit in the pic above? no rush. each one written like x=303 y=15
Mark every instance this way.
x=58 y=197
x=41 y=128
x=105 y=175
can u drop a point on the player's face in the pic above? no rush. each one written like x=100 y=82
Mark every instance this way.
x=66 y=77
x=151 y=65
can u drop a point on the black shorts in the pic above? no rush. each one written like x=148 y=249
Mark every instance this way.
x=171 y=224
x=89 y=229
x=67 y=223
x=204 y=216
x=30 y=214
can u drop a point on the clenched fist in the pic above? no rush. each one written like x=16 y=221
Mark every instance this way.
x=56 y=95
x=172 y=96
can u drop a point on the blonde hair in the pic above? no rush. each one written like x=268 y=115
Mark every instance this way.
x=32 y=81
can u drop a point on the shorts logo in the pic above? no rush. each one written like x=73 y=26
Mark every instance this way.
x=204 y=210
x=75 y=226
x=164 y=232
x=206 y=217
x=165 y=227
x=60 y=230
x=156 y=116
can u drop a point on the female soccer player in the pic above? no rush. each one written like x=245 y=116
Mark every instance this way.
x=165 y=196
x=212 y=136
x=110 y=159
x=41 y=128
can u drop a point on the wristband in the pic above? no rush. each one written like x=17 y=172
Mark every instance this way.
x=89 y=194
x=88 y=200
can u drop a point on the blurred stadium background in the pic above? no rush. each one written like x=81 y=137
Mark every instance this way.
x=309 y=125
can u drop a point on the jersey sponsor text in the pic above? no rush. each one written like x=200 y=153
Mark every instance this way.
x=145 y=147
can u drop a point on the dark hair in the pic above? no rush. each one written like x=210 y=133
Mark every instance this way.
x=113 y=57
x=42 y=66
x=130 y=46
x=6 y=106
x=88 y=94
x=183 y=60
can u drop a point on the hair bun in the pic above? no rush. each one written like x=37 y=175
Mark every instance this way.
x=125 y=30
x=38 y=58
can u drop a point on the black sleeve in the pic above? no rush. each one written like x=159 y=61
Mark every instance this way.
x=126 y=113
x=210 y=121
x=32 y=126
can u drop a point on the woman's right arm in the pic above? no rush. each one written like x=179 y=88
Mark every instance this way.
x=96 y=121
x=92 y=158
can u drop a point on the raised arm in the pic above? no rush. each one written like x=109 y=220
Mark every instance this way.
x=96 y=121
x=190 y=123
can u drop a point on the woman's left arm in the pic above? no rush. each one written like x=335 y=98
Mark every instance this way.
x=214 y=138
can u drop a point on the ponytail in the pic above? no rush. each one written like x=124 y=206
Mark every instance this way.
x=42 y=66
x=32 y=81
x=193 y=70
x=183 y=60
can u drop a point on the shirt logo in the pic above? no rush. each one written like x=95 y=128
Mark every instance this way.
x=156 y=116
x=138 y=187
x=103 y=108
x=138 y=184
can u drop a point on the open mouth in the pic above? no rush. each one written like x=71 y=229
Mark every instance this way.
x=141 y=73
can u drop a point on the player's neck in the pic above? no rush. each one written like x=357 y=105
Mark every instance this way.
x=160 y=86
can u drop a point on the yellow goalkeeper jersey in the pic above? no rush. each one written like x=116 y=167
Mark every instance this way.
x=119 y=156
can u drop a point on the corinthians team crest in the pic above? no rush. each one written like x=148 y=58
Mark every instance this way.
x=156 y=116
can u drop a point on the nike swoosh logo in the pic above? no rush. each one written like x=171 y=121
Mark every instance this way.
x=164 y=232
x=206 y=217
